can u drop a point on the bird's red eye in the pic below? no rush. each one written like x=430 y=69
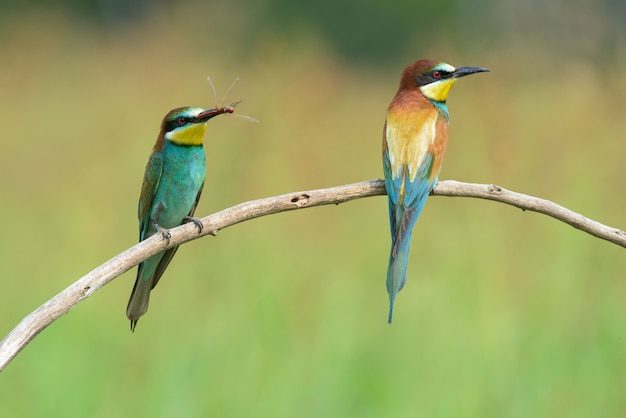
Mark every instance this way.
x=437 y=74
x=180 y=120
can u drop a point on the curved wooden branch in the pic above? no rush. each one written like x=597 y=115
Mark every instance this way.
x=47 y=313
x=534 y=204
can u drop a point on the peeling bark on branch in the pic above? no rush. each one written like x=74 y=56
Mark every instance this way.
x=43 y=316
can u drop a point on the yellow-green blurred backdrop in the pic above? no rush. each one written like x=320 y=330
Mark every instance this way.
x=505 y=313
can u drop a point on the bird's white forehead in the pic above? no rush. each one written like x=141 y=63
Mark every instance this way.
x=193 y=111
x=444 y=67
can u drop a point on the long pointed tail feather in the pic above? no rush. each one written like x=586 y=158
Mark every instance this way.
x=139 y=300
x=396 y=272
x=140 y=296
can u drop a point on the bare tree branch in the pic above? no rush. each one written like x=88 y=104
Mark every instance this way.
x=47 y=313
x=535 y=204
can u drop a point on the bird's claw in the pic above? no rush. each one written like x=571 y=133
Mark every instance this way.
x=164 y=232
x=197 y=222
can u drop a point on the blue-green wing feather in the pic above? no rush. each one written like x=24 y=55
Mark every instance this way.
x=138 y=302
x=151 y=179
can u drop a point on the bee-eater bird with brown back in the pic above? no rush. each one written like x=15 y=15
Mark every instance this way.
x=415 y=138
x=170 y=192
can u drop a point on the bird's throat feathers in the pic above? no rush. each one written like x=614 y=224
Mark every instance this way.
x=438 y=91
x=187 y=136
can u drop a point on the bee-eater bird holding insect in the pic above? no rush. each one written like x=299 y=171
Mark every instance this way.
x=170 y=192
x=415 y=137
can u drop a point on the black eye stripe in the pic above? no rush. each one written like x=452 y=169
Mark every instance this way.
x=442 y=74
x=170 y=125
x=429 y=77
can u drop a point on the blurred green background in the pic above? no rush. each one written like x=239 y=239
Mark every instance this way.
x=506 y=313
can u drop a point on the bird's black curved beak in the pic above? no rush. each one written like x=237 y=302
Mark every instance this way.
x=463 y=71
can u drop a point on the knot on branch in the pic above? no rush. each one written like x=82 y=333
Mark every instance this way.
x=85 y=292
x=620 y=233
x=300 y=200
x=494 y=188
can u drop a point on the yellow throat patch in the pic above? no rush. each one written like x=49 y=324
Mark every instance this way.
x=439 y=90
x=188 y=135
